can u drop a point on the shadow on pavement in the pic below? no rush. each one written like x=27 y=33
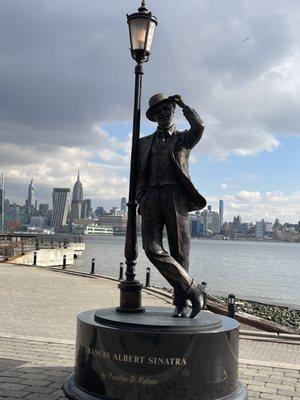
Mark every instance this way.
x=19 y=379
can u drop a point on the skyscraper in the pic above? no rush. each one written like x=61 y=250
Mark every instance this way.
x=86 y=209
x=31 y=199
x=221 y=212
x=123 y=204
x=77 y=198
x=60 y=198
x=43 y=209
x=77 y=190
x=2 y=199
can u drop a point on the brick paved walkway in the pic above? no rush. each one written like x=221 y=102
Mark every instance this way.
x=37 y=331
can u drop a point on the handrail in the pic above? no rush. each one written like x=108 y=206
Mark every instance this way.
x=21 y=247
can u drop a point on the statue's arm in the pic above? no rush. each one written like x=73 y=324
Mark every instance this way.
x=194 y=134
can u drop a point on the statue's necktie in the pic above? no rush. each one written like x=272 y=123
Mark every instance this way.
x=164 y=135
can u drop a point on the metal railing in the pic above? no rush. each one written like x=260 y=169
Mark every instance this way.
x=12 y=246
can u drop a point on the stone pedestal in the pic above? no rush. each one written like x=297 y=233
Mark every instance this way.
x=152 y=356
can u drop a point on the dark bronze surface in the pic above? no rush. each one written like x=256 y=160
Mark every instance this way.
x=130 y=288
x=166 y=194
x=159 y=319
x=154 y=356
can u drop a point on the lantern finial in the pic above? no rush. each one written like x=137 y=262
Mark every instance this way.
x=143 y=7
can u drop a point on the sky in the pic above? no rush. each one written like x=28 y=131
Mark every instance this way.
x=66 y=98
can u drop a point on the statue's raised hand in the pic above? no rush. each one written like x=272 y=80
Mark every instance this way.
x=178 y=100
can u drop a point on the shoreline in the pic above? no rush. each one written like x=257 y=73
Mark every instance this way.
x=289 y=317
x=223 y=239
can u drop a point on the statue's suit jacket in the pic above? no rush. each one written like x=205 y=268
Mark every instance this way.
x=182 y=143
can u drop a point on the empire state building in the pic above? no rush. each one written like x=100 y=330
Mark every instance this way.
x=31 y=199
x=77 y=199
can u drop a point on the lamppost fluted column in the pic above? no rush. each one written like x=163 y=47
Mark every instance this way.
x=131 y=249
x=130 y=296
x=142 y=27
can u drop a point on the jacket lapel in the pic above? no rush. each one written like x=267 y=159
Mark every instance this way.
x=145 y=149
x=175 y=138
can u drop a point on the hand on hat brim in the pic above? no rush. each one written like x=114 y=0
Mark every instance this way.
x=177 y=99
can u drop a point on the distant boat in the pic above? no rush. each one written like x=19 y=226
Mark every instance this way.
x=98 y=230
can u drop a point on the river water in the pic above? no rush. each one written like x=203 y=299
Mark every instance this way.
x=268 y=272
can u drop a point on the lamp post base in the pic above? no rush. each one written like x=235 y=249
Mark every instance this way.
x=130 y=297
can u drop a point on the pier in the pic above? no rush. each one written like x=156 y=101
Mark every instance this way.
x=42 y=250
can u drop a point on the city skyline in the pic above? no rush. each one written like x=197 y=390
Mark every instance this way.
x=110 y=203
x=58 y=115
x=75 y=214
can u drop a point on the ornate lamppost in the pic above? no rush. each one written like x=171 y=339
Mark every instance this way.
x=142 y=26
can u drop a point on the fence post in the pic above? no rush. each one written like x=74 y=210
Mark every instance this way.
x=231 y=306
x=121 y=272
x=64 y=262
x=204 y=291
x=93 y=267
x=34 y=258
x=148 y=272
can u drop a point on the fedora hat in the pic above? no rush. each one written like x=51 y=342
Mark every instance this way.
x=154 y=101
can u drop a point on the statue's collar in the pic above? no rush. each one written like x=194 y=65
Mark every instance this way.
x=169 y=130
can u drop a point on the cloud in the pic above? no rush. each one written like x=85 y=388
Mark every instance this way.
x=251 y=177
x=56 y=166
x=254 y=206
x=65 y=71
x=224 y=185
x=77 y=70
x=250 y=196
x=221 y=143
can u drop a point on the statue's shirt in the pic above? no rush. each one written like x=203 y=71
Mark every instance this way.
x=161 y=167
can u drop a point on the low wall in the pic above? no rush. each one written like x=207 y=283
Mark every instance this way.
x=77 y=247
x=47 y=257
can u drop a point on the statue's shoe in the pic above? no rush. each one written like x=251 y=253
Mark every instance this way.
x=180 y=311
x=197 y=300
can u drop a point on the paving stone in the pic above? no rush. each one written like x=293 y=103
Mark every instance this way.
x=253 y=395
x=58 y=393
x=39 y=396
x=290 y=392
x=44 y=390
x=267 y=396
x=279 y=387
x=257 y=388
x=292 y=374
x=18 y=394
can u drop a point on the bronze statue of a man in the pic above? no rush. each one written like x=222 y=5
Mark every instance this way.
x=166 y=194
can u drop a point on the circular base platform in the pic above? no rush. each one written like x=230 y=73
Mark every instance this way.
x=154 y=356
x=72 y=391
x=159 y=319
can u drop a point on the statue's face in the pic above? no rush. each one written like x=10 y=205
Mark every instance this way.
x=163 y=114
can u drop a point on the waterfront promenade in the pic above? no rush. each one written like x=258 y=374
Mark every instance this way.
x=37 y=333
